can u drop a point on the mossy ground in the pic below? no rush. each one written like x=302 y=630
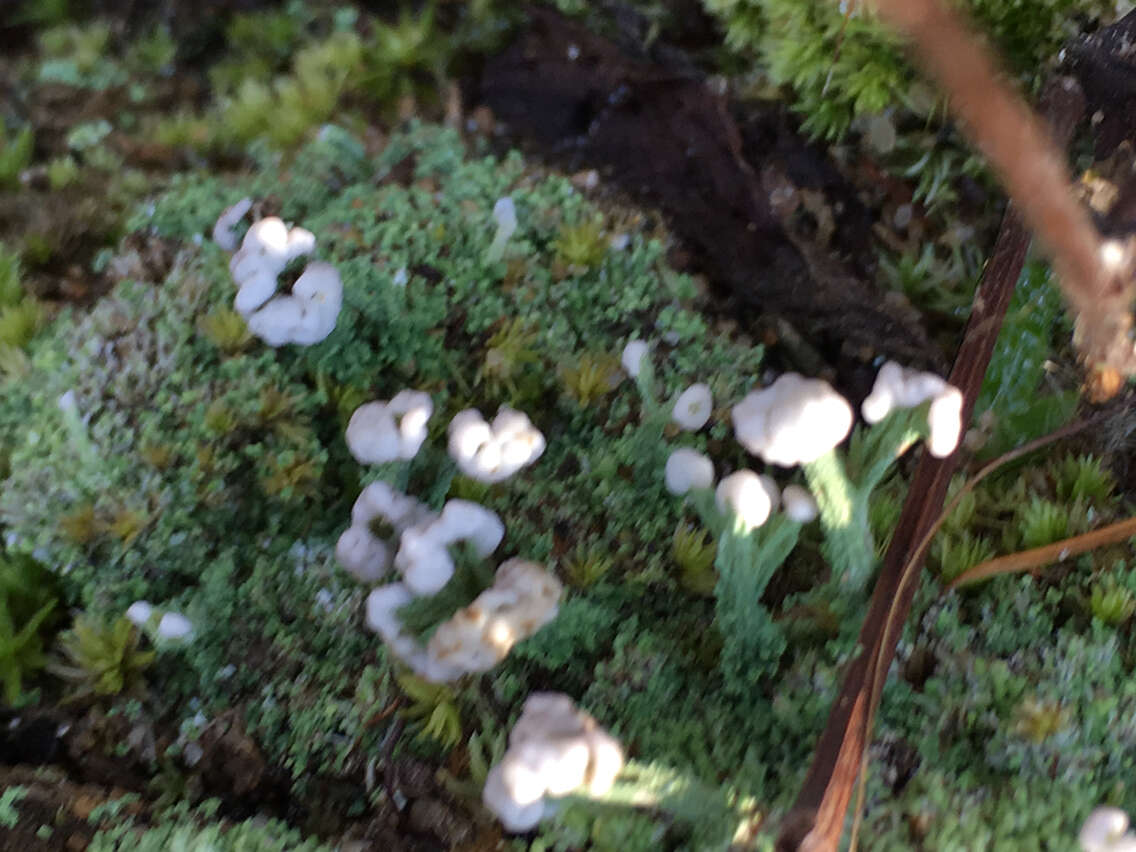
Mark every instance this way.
x=207 y=473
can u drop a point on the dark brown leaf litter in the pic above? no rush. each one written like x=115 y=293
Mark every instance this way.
x=665 y=136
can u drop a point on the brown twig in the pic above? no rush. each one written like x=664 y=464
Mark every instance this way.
x=816 y=820
x=1027 y=560
x=1097 y=282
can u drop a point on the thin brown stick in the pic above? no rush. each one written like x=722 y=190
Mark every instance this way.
x=1097 y=284
x=1037 y=557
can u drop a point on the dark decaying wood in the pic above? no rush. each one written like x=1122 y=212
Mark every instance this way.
x=668 y=138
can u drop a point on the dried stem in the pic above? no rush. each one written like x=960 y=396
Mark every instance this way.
x=1028 y=560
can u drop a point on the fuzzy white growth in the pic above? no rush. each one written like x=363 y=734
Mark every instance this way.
x=523 y=598
x=492 y=453
x=748 y=496
x=793 y=421
x=693 y=406
x=687 y=469
x=374 y=436
x=1106 y=830
x=799 y=504
x=633 y=355
x=554 y=749
x=900 y=387
x=223 y=231
x=268 y=246
x=362 y=553
x=423 y=558
x=174 y=626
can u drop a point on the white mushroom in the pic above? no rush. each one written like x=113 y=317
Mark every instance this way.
x=554 y=749
x=492 y=453
x=901 y=387
x=793 y=421
x=799 y=504
x=423 y=557
x=748 y=496
x=693 y=406
x=687 y=469
x=373 y=435
x=633 y=354
x=223 y=231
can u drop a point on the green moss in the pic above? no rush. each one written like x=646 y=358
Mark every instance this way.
x=841 y=62
x=27 y=607
x=15 y=154
x=202 y=831
x=207 y=472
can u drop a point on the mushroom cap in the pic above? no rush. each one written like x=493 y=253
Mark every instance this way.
x=687 y=469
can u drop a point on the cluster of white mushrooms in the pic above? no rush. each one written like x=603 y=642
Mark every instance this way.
x=390 y=530
x=795 y=421
x=305 y=316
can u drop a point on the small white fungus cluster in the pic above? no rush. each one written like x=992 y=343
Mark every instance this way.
x=1106 y=830
x=223 y=231
x=688 y=470
x=167 y=626
x=423 y=556
x=523 y=598
x=554 y=749
x=309 y=313
x=505 y=218
x=793 y=421
x=393 y=530
x=387 y=431
x=751 y=498
x=492 y=453
x=901 y=387
x=365 y=554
